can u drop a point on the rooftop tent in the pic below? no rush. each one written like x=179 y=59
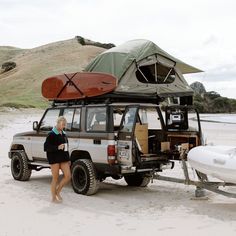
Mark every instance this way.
x=144 y=69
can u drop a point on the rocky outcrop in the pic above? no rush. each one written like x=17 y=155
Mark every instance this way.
x=211 y=101
x=84 y=41
x=198 y=87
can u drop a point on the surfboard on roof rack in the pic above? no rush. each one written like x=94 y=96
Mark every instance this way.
x=76 y=86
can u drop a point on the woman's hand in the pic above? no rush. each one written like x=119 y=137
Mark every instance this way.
x=61 y=146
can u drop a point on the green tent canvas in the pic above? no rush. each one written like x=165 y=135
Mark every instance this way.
x=144 y=69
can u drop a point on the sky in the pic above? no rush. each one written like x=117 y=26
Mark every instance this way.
x=199 y=32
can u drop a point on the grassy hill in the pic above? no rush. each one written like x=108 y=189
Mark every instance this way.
x=21 y=86
x=6 y=53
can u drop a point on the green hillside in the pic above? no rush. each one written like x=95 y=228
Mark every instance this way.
x=21 y=86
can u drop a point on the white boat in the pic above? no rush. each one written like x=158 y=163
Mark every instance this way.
x=216 y=161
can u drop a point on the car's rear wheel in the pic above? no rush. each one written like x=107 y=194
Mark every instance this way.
x=137 y=180
x=19 y=166
x=84 y=177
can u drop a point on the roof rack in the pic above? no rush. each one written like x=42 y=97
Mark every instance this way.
x=108 y=99
x=121 y=98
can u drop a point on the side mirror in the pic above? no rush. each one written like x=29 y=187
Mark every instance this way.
x=35 y=125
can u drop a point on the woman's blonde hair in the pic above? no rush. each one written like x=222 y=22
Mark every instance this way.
x=61 y=119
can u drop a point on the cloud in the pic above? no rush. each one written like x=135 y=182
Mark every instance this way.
x=211 y=40
x=225 y=72
x=197 y=32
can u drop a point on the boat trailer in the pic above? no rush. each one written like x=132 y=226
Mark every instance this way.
x=201 y=185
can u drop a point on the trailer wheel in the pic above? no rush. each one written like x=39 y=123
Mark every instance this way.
x=84 y=177
x=19 y=166
x=137 y=180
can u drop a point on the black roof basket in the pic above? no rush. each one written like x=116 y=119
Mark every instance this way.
x=110 y=98
x=121 y=98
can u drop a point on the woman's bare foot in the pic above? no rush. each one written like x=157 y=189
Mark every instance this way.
x=58 y=196
x=55 y=200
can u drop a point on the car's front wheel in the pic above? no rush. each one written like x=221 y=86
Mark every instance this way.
x=19 y=166
x=84 y=177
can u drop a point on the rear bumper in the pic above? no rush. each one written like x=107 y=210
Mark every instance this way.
x=149 y=166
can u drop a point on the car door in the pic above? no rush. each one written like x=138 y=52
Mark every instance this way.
x=46 y=124
x=126 y=136
x=95 y=138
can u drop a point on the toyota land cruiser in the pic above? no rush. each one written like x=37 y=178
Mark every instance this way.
x=115 y=140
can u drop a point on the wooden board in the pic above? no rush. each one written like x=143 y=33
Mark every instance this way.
x=77 y=85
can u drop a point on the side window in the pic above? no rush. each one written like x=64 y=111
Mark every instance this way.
x=96 y=119
x=76 y=120
x=49 y=120
x=68 y=114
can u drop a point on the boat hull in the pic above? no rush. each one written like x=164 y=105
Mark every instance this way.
x=216 y=161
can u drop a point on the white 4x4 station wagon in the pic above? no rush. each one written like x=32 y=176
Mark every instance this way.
x=108 y=140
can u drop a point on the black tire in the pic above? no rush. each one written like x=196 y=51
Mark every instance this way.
x=137 y=180
x=19 y=166
x=84 y=177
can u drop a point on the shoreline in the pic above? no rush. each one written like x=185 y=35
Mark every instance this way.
x=213 y=121
x=222 y=118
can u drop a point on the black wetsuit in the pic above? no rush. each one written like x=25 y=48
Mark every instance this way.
x=54 y=155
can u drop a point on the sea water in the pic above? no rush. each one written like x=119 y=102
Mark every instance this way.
x=221 y=118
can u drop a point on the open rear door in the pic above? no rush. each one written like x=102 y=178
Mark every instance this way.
x=126 y=136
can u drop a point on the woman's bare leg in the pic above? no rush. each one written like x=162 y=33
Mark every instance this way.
x=65 y=167
x=55 y=175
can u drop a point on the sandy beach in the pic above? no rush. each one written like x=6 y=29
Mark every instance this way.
x=162 y=208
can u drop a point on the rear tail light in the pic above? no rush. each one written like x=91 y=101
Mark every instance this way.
x=111 y=154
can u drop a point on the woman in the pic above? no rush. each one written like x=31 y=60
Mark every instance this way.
x=56 y=146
